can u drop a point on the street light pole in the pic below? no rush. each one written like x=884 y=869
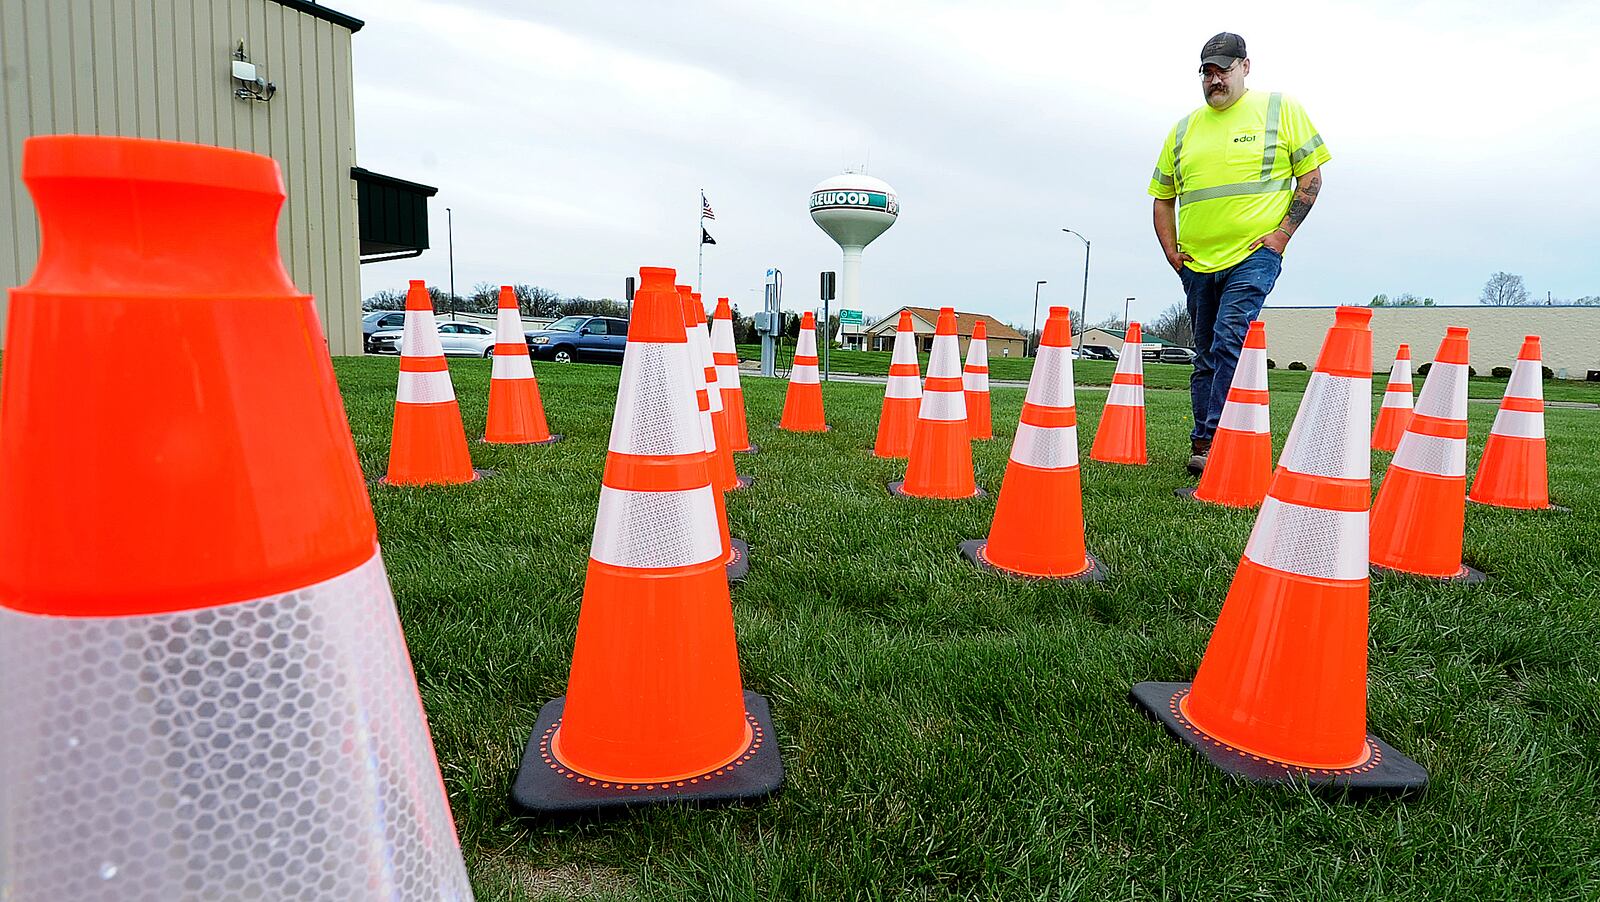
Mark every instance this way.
x=1033 y=334
x=1084 y=313
x=1125 y=304
x=450 y=241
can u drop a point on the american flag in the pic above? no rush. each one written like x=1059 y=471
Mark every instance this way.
x=705 y=207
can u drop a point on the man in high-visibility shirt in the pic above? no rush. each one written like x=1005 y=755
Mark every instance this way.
x=1235 y=179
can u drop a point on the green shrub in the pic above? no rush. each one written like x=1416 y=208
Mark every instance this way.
x=1501 y=372
x=1297 y=365
x=1548 y=372
x=1272 y=364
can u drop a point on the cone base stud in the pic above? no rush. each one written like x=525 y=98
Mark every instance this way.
x=898 y=489
x=554 y=437
x=1506 y=507
x=478 y=473
x=1386 y=770
x=972 y=550
x=754 y=448
x=739 y=567
x=1466 y=575
x=743 y=482
x=546 y=788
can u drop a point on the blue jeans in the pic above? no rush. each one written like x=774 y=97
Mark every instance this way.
x=1222 y=305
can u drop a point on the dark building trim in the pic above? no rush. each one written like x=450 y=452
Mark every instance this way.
x=391 y=215
x=322 y=12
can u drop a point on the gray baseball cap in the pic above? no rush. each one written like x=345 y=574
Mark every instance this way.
x=1223 y=50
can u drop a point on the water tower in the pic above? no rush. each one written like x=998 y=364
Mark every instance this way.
x=853 y=209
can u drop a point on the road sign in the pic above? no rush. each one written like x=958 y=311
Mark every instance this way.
x=851 y=318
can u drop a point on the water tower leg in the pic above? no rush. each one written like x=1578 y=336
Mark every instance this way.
x=849 y=281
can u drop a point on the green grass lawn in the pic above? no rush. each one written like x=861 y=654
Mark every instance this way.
x=1159 y=375
x=951 y=734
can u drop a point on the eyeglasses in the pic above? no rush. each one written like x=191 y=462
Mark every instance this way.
x=1209 y=72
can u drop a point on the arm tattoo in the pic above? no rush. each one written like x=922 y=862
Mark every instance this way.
x=1305 y=194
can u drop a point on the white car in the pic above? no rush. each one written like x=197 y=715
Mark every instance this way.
x=457 y=339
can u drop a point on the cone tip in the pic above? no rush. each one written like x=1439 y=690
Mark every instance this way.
x=947 y=321
x=657 y=316
x=1352 y=317
x=508 y=298
x=980 y=331
x=1456 y=332
x=808 y=320
x=417 y=296
x=1404 y=353
x=1061 y=311
x=1530 y=348
x=905 y=324
x=657 y=277
x=724 y=309
x=1256 y=335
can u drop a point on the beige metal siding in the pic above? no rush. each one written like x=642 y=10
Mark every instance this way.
x=162 y=69
x=1568 y=336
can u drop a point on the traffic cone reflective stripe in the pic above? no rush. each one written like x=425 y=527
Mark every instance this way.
x=902 y=396
x=1239 y=465
x=516 y=412
x=802 y=405
x=1121 y=436
x=735 y=552
x=428 y=445
x=975 y=381
x=1038 y=522
x=1397 y=404
x=722 y=470
x=209 y=669
x=725 y=354
x=654 y=711
x=1420 y=512
x=1513 y=471
x=1280 y=695
x=940 y=465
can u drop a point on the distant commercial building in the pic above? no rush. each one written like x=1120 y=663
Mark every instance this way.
x=269 y=76
x=1569 y=336
x=1003 y=340
x=1114 y=338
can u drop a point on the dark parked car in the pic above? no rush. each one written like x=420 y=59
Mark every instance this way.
x=380 y=321
x=1176 y=355
x=599 y=339
x=1098 y=352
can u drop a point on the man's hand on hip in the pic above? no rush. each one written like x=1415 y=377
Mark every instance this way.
x=1275 y=240
x=1177 y=258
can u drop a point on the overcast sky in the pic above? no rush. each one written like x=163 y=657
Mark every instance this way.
x=572 y=139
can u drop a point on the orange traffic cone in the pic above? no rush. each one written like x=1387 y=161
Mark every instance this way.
x=902 y=396
x=1038 y=521
x=1281 y=695
x=516 y=414
x=1240 y=464
x=736 y=554
x=654 y=710
x=1395 y=413
x=726 y=356
x=206 y=692
x=1120 y=438
x=429 y=445
x=802 y=405
x=1420 y=511
x=727 y=477
x=1512 y=471
x=941 y=451
x=975 y=381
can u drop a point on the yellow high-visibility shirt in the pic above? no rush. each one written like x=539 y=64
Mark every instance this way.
x=1233 y=174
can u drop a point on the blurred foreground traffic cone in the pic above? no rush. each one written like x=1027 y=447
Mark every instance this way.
x=1038 y=521
x=429 y=445
x=902 y=396
x=1395 y=413
x=726 y=355
x=516 y=414
x=941 y=451
x=1512 y=471
x=1120 y=438
x=802 y=405
x=727 y=478
x=1281 y=695
x=654 y=710
x=735 y=553
x=1240 y=463
x=204 y=685
x=1420 y=512
x=975 y=381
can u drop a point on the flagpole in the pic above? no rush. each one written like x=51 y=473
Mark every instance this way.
x=701 y=272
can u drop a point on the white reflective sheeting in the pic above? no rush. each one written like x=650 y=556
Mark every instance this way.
x=1125 y=396
x=1051 y=383
x=1519 y=423
x=1252 y=370
x=1239 y=417
x=903 y=387
x=1527 y=380
x=266 y=749
x=425 y=388
x=512 y=366
x=804 y=374
x=421 y=335
x=978 y=353
x=806 y=345
x=1310 y=541
x=1431 y=454
x=656 y=529
x=1400 y=399
x=945 y=360
x=1049 y=448
x=656 y=413
x=943 y=405
x=1444 y=392
x=905 y=348
x=975 y=381
x=508 y=327
x=1329 y=435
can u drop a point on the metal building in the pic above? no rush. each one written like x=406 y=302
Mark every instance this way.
x=269 y=76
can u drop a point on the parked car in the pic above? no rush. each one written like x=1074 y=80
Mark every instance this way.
x=1098 y=352
x=380 y=321
x=457 y=339
x=1177 y=355
x=585 y=338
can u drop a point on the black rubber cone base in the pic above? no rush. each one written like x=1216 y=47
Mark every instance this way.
x=1532 y=510
x=739 y=567
x=972 y=550
x=753 y=449
x=743 y=482
x=1386 y=771
x=897 y=488
x=1186 y=492
x=1466 y=575
x=545 y=788
x=554 y=437
x=478 y=474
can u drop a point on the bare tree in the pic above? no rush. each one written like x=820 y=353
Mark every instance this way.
x=1504 y=290
x=387 y=299
x=1175 y=326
